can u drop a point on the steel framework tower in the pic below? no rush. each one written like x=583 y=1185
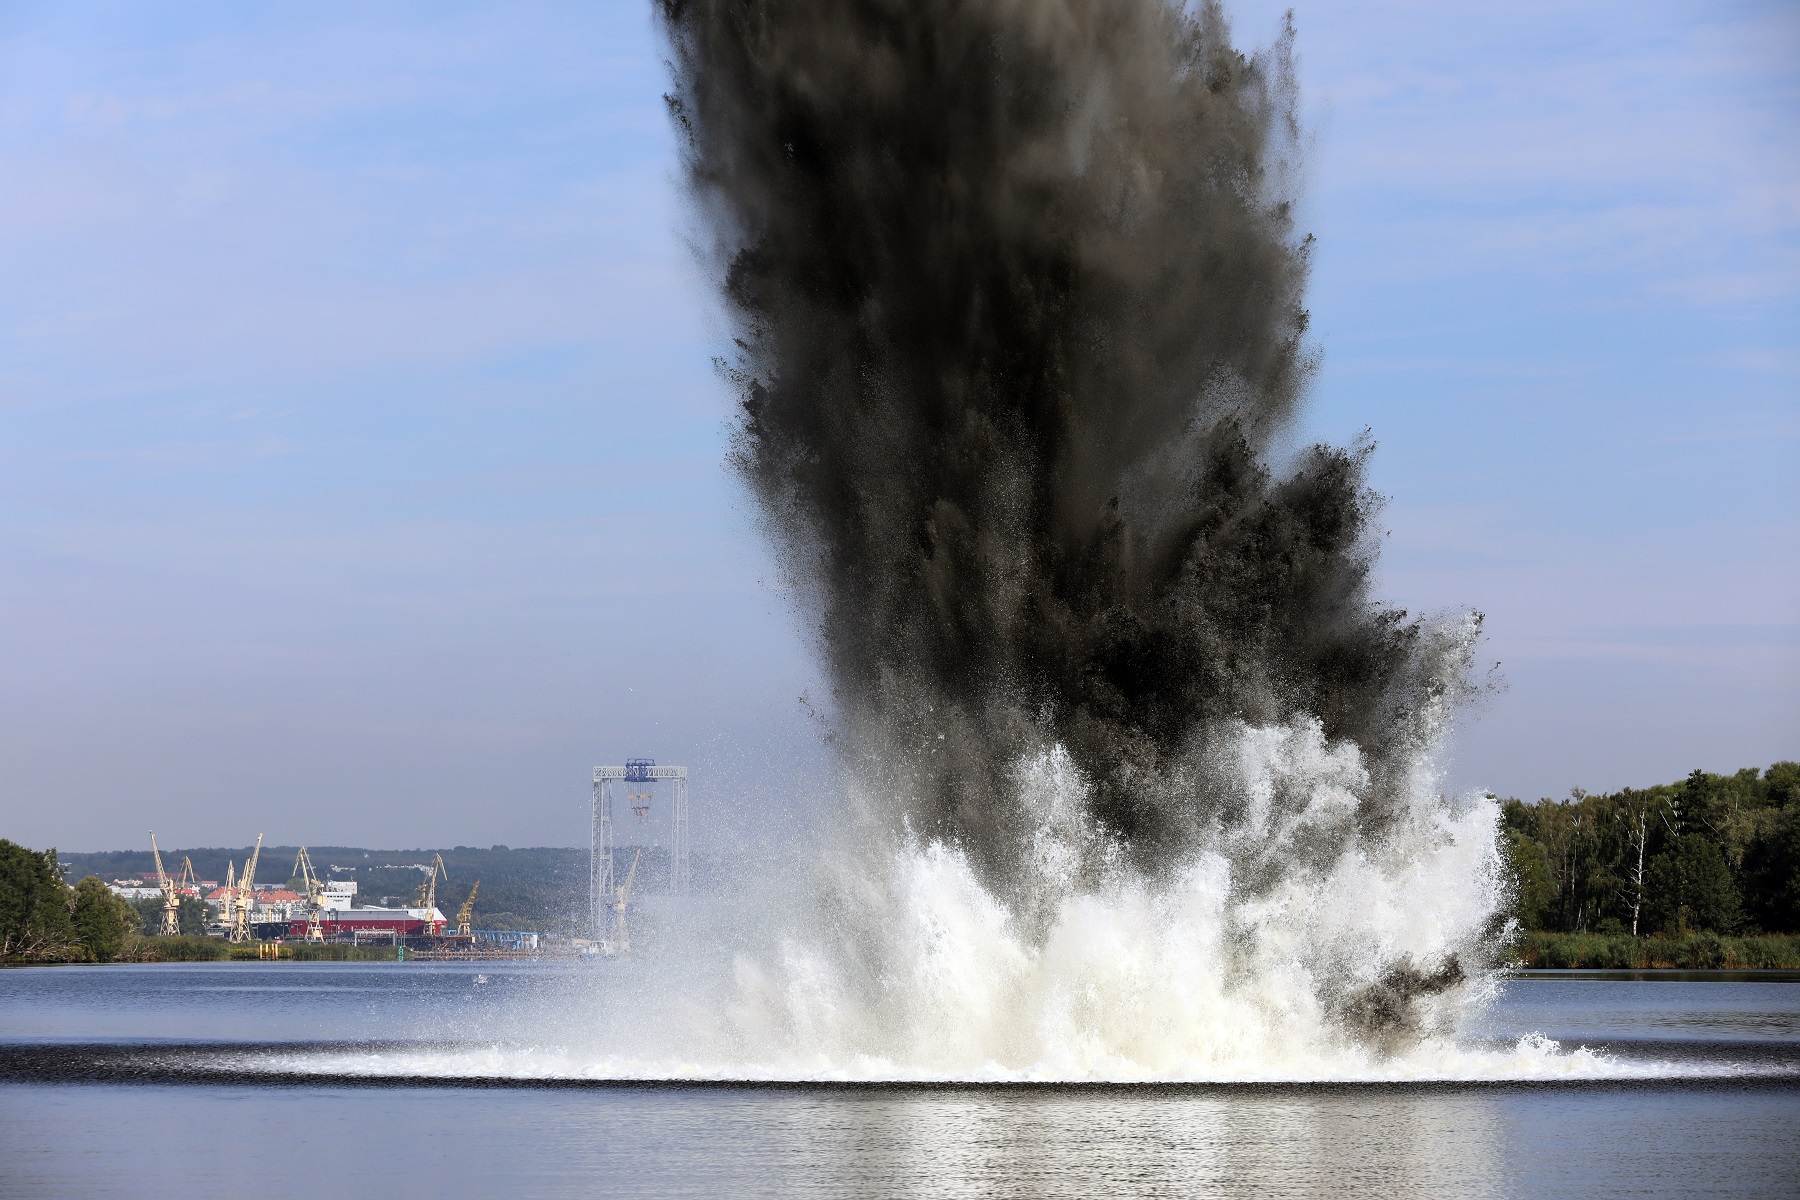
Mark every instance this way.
x=601 y=885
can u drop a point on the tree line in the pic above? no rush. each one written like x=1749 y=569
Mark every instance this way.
x=1713 y=854
x=44 y=919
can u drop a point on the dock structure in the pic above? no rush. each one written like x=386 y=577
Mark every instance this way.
x=601 y=885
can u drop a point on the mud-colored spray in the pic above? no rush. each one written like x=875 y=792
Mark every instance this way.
x=1018 y=307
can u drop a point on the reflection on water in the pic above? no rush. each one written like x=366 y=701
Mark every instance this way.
x=334 y=1001
x=67 y=1139
x=257 y=1001
x=712 y=1143
x=1595 y=1006
x=1254 y=1145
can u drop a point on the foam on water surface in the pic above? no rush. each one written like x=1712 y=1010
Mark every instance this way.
x=1534 y=1059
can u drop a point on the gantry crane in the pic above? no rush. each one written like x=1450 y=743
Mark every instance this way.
x=620 y=942
x=171 y=912
x=245 y=899
x=465 y=915
x=315 y=896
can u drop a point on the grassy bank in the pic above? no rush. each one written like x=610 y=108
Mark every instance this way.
x=303 y=952
x=175 y=949
x=138 y=948
x=317 y=952
x=1695 y=952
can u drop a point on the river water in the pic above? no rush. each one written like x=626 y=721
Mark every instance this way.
x=283 y=1079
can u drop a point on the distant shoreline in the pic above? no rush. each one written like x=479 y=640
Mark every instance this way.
x=1540 y=950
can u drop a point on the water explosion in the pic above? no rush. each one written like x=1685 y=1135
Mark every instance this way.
x=1140 y=770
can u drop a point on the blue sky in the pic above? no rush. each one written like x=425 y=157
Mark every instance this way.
x=360 y=456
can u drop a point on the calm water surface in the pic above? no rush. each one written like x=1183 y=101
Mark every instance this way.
x=74 y=1122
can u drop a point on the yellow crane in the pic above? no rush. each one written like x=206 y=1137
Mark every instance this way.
x=187 y=885
x=171 y=912
x=245 y=899
x=230 y=898
x=620 y=942
x=315 y=896
x=428 y=889
x=466 y=914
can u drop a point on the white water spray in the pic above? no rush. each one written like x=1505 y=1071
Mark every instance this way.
x=914 y=970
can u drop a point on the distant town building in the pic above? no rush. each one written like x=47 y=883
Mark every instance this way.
x=277 y=904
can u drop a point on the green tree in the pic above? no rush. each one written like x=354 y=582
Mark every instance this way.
x=1771 y=868
x=34 y=911
x=1585 y=864
x=149 y=911
x=101 y=919
x=1690 y=888
x=1533 y=889
x=192 y=916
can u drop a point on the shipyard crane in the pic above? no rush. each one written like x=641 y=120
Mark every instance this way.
x=428 y=889
x=465 y=915
x=187 y=886
x=171 y=911
x=230 y=896
x=315 y=896
x=620 y=942
x=245 y=899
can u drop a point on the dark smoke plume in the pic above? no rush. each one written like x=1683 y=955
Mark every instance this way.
x=1018 y=305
